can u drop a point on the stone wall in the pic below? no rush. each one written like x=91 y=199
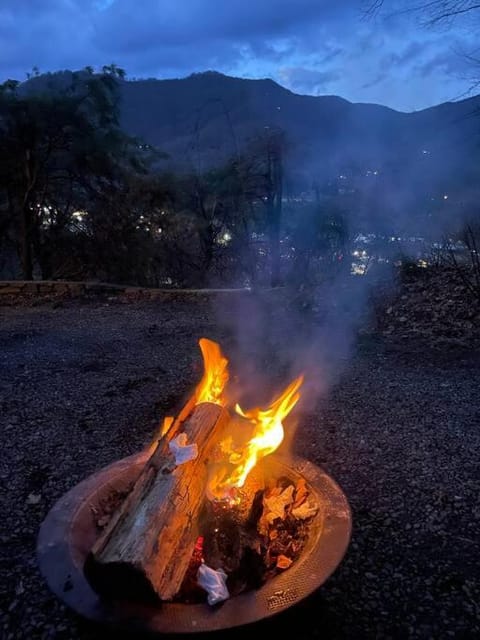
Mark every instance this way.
x=11 y=290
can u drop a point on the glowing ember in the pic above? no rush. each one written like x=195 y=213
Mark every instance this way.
x=215 y=375
x=266 y=438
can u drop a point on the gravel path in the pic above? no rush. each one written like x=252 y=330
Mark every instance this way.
x=85 y=384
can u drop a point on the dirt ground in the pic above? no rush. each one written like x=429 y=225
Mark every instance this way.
x=84 y=384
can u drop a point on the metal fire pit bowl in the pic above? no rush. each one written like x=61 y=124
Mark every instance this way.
x=69 y=531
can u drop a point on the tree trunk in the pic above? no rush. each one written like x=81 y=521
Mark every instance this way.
x=276 y=217
x=26 y=243
x=275 y=256
x=26 y=223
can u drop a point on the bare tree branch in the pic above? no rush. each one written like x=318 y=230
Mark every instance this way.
x=433 y=12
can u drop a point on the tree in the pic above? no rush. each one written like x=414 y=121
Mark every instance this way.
x=269 y=149
x=61 y=144
x=209 y=206
x=431 y=11
x=125 y=230
x=320 y=235
x=436 y=13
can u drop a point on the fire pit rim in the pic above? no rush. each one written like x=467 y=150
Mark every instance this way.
x=62 y=565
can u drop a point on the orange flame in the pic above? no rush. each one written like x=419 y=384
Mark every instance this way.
x=215 y=375
x=266 y=438
x=161 y=431
x=166 y=424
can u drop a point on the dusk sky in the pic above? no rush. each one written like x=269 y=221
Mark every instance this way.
x=309 y=46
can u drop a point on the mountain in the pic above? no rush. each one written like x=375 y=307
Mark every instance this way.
x=203 y=118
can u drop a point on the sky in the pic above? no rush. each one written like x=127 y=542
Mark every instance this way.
x=314 y=47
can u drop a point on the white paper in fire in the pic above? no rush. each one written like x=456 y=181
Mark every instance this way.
x=214 y=583
x=182 y=451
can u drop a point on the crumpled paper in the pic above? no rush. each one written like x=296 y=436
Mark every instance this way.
x=214 y=583
x=182 y=451
x=305 y=510
x=275 y=505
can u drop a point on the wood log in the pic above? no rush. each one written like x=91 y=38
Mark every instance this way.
x=144 y=552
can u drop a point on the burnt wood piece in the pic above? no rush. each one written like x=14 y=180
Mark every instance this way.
x=144 y=552
x=230 y=538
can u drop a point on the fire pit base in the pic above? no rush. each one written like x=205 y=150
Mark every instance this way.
x=69 y=531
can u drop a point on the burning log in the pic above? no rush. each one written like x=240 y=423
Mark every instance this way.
x=144 y=552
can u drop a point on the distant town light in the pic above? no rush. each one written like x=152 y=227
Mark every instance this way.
x=224 y=238
x=358 y=269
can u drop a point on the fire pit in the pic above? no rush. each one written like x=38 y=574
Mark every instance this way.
x=186 y=515
x=69 y=531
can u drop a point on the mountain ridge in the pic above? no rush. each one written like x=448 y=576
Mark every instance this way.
x=204 y=119
x=212 y=73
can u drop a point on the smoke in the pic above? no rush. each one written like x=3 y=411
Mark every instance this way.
x=403 y=182
x=272 y=337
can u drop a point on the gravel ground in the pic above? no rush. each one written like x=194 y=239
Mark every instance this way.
x=84 y=384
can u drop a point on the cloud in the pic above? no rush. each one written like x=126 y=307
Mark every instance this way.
x=310 y=81
x=376 y=80
x=197 y=21
x=185 y=35
x=311 y=46
x=452 y=61
x=51 y=34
